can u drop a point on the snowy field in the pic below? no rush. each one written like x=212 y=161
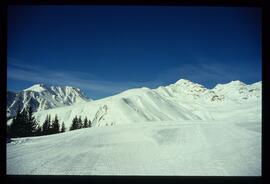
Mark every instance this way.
x=193 y=148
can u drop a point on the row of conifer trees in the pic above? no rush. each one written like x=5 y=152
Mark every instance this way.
x=77 y=123
x=25 y=125
x=51 y=126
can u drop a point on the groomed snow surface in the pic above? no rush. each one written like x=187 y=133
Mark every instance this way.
x=183 y=148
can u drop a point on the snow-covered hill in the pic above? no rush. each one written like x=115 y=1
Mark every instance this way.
x=183 y=100
x=42 y=97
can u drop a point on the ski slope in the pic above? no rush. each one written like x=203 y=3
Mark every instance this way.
x=183 y=148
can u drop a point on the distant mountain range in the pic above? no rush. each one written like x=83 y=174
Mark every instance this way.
x=181 y=101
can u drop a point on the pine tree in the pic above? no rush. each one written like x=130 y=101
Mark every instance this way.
x=38 y=131
x=85 y=123
x=89 y=123
x=30 y=122
x=14 y=126
x=63 y=128
x=74 y=124
x=80 y=124
x=55 y=125
x=23 y=122
x=46 y=125
x=50 y=131
x=18 y=125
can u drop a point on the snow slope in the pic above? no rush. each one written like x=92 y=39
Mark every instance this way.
x=183 y=100
x=183 y=148
x=42 y=97
x=180 y=129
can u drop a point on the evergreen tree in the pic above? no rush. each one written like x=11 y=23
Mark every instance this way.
x=38 y=131
x=74 y=124
x=30 y=122
x=85 y=123
x=50 y=127
x=89 y=123
x=14 y=126
x=63 y=128
x=23 y=122
x=17 y=127
x=46 y=125
x=80 y=124
x=55 y=125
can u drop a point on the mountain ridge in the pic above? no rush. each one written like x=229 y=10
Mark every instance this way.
x=183 y=100
x=43 y=97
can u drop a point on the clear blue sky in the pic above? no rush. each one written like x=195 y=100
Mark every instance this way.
x=106 y=49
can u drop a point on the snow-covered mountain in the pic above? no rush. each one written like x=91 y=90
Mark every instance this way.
x=239 y=91
x=183 y=100
x=42 y=97
x=183 y=129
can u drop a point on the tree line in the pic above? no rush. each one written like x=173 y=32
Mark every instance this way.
x=51 y=126
x=77 y=123
x=25 y=125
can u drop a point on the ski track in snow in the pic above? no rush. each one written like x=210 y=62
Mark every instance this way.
x=159 y=148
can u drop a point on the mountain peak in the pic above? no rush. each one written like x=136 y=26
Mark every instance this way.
x=183 y=81
x=188 y=84
x=42 y=87
x=230 y=84
x=36 y=88
x=237 y=82
x=42 y=97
